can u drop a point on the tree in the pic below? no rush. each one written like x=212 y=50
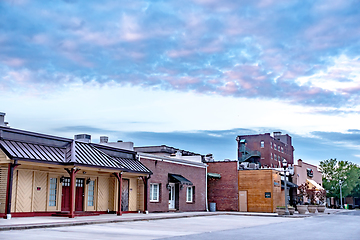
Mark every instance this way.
x=333 y=171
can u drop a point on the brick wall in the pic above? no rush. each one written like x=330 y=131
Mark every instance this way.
x=224 y=191
x=253 y=142
x=161 y=169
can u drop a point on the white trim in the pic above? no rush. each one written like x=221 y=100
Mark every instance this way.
x=171 y=160
x=157 y=193
x=191 y=194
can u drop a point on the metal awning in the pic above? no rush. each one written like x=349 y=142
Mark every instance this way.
x=312 y=184
x=23 y=150
x=179 y=179
x=289 y=184
x=213 y=175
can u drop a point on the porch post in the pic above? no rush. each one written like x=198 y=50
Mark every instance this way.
x=119 y=178
x=11 y=169
x=72 y=174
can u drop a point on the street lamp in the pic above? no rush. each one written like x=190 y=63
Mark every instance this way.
x=340 y=184
x=284 y=162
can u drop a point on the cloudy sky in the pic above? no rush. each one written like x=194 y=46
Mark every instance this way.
x=192 y=74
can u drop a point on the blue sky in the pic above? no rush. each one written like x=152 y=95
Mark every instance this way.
x=191 y=74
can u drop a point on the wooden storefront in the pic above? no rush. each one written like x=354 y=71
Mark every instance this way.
x=52 y=175
x=261 y=189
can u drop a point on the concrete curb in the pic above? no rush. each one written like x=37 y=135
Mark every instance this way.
x=142 y=218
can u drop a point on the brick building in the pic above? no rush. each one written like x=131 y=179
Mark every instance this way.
x=268 y=151
x=224 y=191
x=178 y=182
x=307 y=173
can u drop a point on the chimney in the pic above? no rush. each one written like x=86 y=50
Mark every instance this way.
x=300 y=163
x=2 y=119
x=104 y=139
x=83 y=138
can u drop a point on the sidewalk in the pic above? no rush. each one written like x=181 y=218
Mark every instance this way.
x=49 y=222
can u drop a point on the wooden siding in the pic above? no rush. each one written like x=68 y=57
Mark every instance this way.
x=113 y=191
x=133 y=194
x=140 y=195
x=14 y=190
x=3 y=187
x=40 y=191
x=24 y=193
x=3 y=158
x=103 y=193
x=257 y=183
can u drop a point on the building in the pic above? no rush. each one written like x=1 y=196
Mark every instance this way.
x=43 y=175
x=266 y=150
x=233 y=188
x=178 y=182
x=307 y=173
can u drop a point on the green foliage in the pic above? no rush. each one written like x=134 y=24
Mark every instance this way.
x=334 y=171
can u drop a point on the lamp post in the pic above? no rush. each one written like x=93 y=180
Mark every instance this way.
x=284 y=162
x=341 y=204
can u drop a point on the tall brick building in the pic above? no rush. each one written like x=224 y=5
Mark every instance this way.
x=267 y=150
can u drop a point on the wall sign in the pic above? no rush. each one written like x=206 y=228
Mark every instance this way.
x=267 y=194
x=310 y=172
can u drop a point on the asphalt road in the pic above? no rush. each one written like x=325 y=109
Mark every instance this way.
x=339 y=226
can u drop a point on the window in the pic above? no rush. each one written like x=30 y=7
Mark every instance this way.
x=282 y=149
x=274 y=146
x=279 y=148
x=262 y=144
x=91 y=188
x=189 y=194
x=154 y=192
x=271 y=155
x=52 y=192
x=271 y=144
x=275 y=156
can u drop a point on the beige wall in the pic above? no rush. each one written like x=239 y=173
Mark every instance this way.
x=133 y=194
x=300 y=174
x=3 y=187
x=3 y=158
x=31 y=189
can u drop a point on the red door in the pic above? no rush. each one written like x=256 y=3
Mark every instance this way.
x=79 y=194
x=65 y=201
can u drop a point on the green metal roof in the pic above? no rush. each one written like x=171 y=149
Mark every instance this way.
x=214 y=175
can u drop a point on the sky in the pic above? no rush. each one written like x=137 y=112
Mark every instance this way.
x=192 y=74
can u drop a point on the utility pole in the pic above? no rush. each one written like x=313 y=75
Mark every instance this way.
x=341 y=204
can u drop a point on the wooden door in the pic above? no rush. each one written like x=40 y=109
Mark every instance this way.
x=65 y=199
x=125 y=195
x=243 y=201
x=79 y=195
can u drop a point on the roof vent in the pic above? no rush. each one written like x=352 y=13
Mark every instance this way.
x=104 y=139
x=2 y=119
x=83 y=138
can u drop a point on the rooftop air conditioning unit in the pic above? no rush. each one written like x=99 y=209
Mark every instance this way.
x=83 y=138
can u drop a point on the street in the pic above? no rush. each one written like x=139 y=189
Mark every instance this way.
x=334 y=226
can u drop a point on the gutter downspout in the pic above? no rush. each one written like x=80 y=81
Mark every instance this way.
x=206 y=189
x=11 y=169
